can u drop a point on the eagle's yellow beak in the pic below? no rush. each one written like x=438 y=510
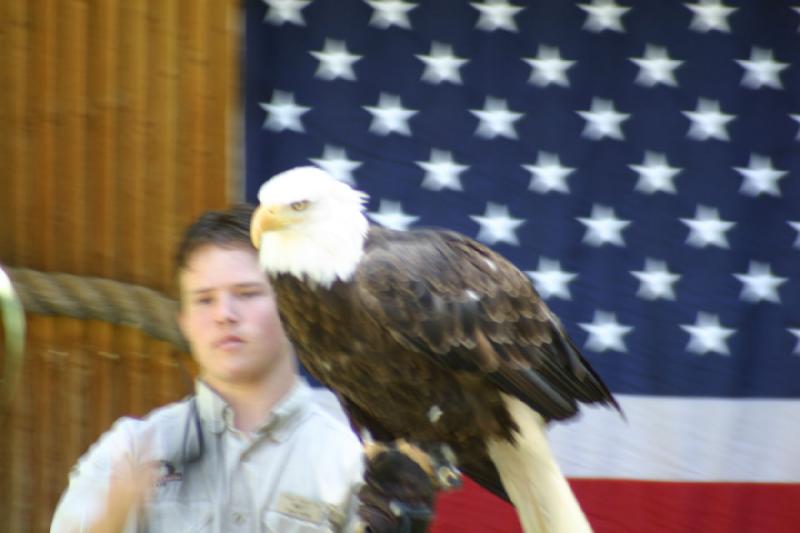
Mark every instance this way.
x=265 y=218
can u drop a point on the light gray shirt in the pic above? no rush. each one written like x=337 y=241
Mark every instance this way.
x=298 y=473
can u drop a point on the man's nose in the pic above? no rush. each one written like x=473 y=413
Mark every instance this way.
x=225 y=310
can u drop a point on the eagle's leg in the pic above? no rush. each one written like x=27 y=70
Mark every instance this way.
x=537 y=488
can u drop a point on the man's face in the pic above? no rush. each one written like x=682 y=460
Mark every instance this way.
x=230 y=317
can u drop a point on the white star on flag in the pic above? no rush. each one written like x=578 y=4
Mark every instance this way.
x=603 y=227
x=761 y=70
x=655 y=174
x=283 y=11
x=335 y=162
x=548 y=174
x=335 y=61
x=656 y=67
x=796 y=118
x=496 y=120
x=283 y=113
x=710 y=15
x=389 y=116
x=707 y=335
x=497 y=225
x=604 y=15
x=759 y=283
x=441 y=65
x=603 y=120
x=391 y=215
x=388 y=13
x=706 y=228
x=497 y=15
x=708 y=122
x=656 y=280
x=550 y=280
x=605 y=333
x=548 y=67
x=441 y=171
x=760 y=177
x=796 y=333
x=796 y=227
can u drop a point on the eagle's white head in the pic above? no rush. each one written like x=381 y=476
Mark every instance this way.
x=309 y=224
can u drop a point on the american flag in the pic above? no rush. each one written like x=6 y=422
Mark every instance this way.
x=640 y=161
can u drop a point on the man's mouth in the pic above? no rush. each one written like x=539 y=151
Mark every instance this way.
x=229 y=342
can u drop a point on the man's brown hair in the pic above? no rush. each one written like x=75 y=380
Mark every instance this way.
x=229 y=228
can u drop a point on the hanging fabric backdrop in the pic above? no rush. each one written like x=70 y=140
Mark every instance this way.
x=640 y=161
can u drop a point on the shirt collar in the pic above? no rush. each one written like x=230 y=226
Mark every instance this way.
x=217 y=415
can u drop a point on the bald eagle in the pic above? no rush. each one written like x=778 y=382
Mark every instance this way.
x=429 y=336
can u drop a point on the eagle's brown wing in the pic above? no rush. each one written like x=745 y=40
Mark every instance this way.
x=449 y=297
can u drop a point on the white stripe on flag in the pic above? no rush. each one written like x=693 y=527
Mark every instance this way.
x=683 y=439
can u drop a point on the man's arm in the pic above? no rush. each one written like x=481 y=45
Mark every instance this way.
x=106 y=487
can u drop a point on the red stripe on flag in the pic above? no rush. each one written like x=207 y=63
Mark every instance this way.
x=615 y=506
x=473 y=509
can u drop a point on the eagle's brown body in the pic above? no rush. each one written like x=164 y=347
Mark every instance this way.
x=425 y=337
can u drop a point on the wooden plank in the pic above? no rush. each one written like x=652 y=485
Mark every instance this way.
x=70 y=190
x=218 y=121
x=231 y=42
x=162 y=141
x=42 y=109
x=193 y=52
x=103 y=103
x=64 y=376
x=131 y=201
x=12 y=58
x=69 y=135
x=14 y=39
x=20 y=497
x=47 y=386
x=129 y=239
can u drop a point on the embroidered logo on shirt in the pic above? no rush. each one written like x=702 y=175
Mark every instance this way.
x=301 y=508
x=167 y=473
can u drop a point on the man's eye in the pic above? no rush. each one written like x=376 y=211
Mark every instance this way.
x=249 y=294
x=205 y=300
x=299 y=206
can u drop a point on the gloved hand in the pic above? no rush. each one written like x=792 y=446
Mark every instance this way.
x=400 y=485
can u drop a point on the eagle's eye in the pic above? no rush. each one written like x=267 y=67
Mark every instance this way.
x=299 y=206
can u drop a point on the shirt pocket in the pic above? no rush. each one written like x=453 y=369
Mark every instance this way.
x=277 y=522
x=179 y=517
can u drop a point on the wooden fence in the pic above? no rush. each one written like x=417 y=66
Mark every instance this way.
x=119 y=122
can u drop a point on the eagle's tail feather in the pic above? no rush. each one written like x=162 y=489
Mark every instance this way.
x=537 y=488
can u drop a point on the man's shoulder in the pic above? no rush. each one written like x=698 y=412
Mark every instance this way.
x=168 y=413
x=325 y=421
x=162 y=416
x=324 y=410
x=136 y=433
x=323 y=438
x=158 y=416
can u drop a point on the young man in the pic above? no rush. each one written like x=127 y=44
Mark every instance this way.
x=253 y=450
